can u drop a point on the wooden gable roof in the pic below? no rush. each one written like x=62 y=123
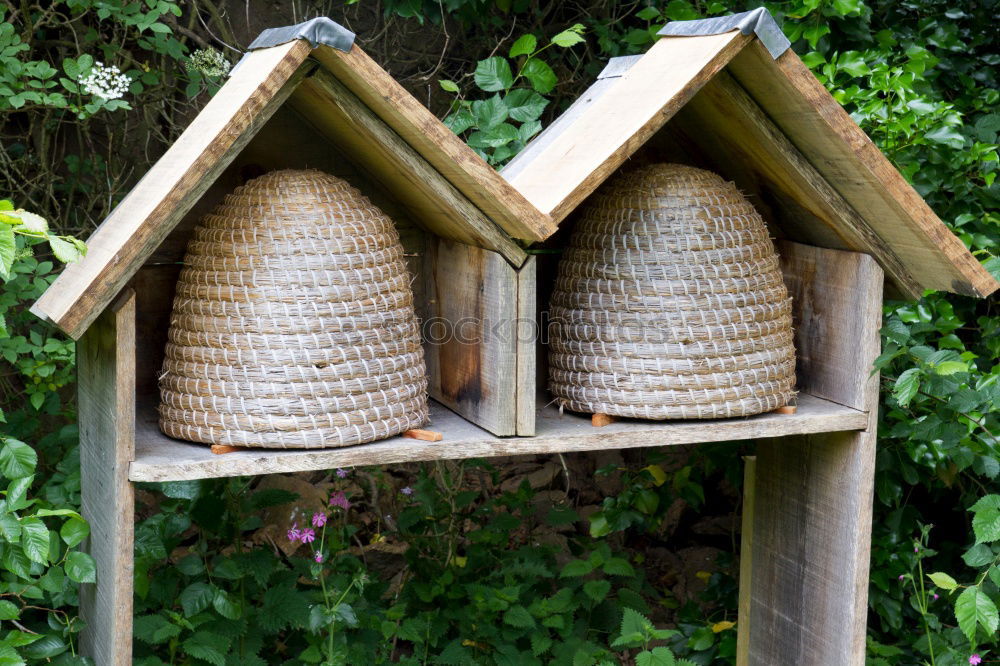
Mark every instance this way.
x=771 y=126
x=350 y=101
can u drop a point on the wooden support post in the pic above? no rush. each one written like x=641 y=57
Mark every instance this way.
x=106 y=370
x=813 y=493
x=746 y=562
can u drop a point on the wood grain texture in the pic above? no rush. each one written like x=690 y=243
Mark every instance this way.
x=813 y=494
x=470 y=334
x=745 y=145
x=106 y=389
x=601 y=138
x=527 y=350
x=746 y=561
x=435 y=203
x=437 y=144
x=143 y=219
x=820 y=128
x=162 y=459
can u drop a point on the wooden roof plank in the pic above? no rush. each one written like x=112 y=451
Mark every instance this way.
x=576 y=162
x=823 y=131
x=143 y=219
x=446 y=152
x=434 y=202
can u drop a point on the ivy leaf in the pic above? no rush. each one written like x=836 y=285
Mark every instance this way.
x=35 y=539
x=974 y=608
x=943 y=580
x=494 y=74
x=906 y=386
x=80 y=567
x=525 y=45
x=525 y=105
x=541 y=76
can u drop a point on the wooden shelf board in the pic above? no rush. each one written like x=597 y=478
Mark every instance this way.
x=159 y=458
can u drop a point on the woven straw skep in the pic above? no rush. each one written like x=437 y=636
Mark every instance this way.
x=293 y=323
x=670 y=303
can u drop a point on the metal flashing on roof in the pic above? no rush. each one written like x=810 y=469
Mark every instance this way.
x=758 y=21
x=320 y=30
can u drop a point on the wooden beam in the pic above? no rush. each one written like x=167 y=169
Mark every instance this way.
x=160 y=458
x=447 y=153
x=470 y=336
x=746 y=562
x=434 y=202
x=611 y=129
x=527 y=332
x=813 y=494
x=730 y=128
x=838 y=149
x=106 y=388
x=143 y=219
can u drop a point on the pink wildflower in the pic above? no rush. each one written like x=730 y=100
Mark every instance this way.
x=294 y=534
x=407 y=491
x=318 y=557
x=975 y=660
x=934 y=596
x=308 y=535
x=319 y=519
x=901 y=576
x=340 y=499
x=341 y=473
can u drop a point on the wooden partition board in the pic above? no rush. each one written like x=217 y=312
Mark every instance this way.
x=811 y=520
x=106 y=389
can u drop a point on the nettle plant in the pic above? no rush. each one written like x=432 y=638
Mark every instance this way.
x=498 y=127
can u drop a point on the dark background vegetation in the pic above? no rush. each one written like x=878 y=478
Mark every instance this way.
x=522 y=561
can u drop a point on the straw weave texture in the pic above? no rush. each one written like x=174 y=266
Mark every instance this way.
x=670 y=303
x=293 y=322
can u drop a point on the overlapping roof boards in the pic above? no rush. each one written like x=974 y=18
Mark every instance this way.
x=729 y=90
x=351 y=102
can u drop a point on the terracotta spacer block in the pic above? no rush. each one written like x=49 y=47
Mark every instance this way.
x=601 y=420
x=219 y=449
x=787 y=409
x=423 y=435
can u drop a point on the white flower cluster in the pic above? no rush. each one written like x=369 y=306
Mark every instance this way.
x=105 y=82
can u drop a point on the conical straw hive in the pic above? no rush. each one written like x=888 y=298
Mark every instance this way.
x=670 y=303
x=293 y=323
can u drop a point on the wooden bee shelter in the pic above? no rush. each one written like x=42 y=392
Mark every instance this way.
x=307 y=98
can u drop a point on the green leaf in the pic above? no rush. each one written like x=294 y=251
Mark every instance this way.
x=154 y=629
x=948 y=136
x=634 y=622
x=525 y=105
x=618 y=566
x=80 y=567
x=943 y=580
x=188 y=490
x=977 y=556
x=196 y=597
x=599 y=525
x=30 y=221
x=65 y=251
x=658 y=656
x=494 y=74
x=45 y=648
x=489 y=113
x=597 y=589
x=225 y=606
x=8 y=248
x=205 y=646
x=906 y=386
x=449 y=86
x=540 y=643
x=569 y=37
x=951 y=367
x=495 y=137
x=974 y=608
x=8 y=610
x=35 y=540
x=986 y=525
x=648 y=14
x=15 y=561
x=541 y=76
x=74 y=531
x=518 y=616
x=525 y=45
x=576 y=568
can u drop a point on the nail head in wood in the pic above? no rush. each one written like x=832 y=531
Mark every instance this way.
x=424 y=435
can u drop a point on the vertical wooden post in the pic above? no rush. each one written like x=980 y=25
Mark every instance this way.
x=746 y=561
x=106 y=370
x=813 y=494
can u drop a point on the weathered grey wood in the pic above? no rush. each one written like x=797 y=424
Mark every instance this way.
x=143 y=219
x=813 y=494
x=745 y=145
x=159 y=458
x=470 y=334
x=746 y=561
x=106 y=387
x=369 y=142
x=527 y=355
